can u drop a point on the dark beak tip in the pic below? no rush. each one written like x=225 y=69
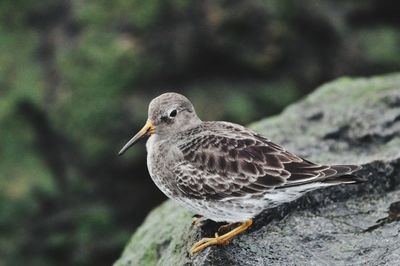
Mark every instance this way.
x=144 y=132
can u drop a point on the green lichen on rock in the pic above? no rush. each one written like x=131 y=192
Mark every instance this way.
x=345 y=121
x=345 y=114
x=165 y=231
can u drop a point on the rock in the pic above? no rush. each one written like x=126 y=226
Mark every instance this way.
x=345 y=121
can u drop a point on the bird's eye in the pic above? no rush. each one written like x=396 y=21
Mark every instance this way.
x=173 y=113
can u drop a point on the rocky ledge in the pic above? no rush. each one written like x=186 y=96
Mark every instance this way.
x=345 y=121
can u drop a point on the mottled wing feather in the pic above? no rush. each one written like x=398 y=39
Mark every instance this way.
x=231 y=161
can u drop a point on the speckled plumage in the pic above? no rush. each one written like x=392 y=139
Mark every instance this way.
x=224 y=171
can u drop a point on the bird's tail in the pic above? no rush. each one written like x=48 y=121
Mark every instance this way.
x=342 y=174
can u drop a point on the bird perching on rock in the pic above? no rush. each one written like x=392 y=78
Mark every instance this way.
x=224 y=171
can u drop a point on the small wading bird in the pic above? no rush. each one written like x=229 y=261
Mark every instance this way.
x=224 y=171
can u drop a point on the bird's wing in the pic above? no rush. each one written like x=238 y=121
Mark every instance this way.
x=235 y=162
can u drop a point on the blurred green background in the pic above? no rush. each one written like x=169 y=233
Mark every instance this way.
x=76 y=78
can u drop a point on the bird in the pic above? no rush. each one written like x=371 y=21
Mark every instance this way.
x=223 y=171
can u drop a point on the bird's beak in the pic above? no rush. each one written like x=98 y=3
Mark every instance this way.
x=146 y=131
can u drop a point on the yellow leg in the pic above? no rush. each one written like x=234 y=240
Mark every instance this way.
x=226 y=227
x=220 y=240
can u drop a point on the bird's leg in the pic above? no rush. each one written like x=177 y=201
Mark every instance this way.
x=226 y=227
x=220 y=240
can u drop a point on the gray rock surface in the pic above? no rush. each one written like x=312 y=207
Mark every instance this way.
x=345 y=121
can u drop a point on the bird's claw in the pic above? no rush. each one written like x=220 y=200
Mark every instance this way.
x=219 y=240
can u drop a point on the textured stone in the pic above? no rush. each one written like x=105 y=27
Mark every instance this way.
x=345 y=121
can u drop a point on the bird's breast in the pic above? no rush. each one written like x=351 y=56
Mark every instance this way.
x=161 y=157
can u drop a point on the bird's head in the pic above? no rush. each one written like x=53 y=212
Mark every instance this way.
x=169 y=114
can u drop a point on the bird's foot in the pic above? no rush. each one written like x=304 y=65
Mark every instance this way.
x=220 y=240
